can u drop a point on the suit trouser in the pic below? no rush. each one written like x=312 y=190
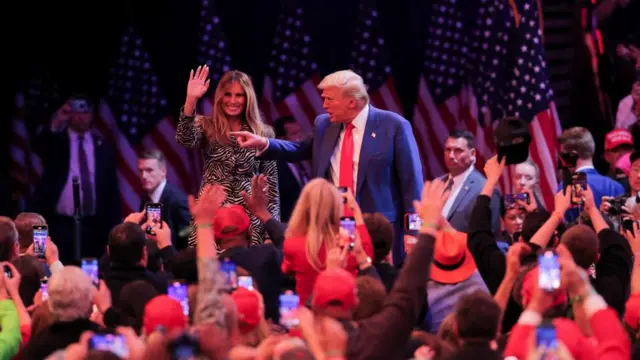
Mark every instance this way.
x=397 y=248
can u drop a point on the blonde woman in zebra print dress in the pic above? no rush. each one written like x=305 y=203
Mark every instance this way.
x=235 y=108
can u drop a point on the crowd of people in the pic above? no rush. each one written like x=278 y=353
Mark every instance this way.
x=327 y=245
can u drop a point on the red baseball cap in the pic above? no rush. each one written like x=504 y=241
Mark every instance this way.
x=231 y=220
x=248 y=305
x=335 y=285
x=617 y=137
x=164 y=311
x=529 y=285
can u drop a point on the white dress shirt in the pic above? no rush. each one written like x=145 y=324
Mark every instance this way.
x=626 y=114
x=458 y=180
x=65 y=203
x=359 y=123
x=157 y=193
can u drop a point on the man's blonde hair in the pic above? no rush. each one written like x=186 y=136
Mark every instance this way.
x=349 y=82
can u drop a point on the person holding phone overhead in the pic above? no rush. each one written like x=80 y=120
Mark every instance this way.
x=235 y=108
x=372 y=152
x=69 y=148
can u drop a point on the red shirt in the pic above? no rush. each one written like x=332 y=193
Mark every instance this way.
x=295 y=261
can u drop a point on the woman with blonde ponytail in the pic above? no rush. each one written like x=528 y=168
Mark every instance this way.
x=314 y=230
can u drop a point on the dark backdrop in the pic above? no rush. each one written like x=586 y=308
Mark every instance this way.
x=73 y=43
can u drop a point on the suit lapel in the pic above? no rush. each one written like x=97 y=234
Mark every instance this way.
x=330 y=139
x=462 y=194
x=164 y=199
x=368 y=145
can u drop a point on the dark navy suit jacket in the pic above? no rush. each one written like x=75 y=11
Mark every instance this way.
x=389 y=170
x=175 y=212
x=263 y=262
x=54 y=149
x=460 y=211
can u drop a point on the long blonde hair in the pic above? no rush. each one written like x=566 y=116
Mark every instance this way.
x=316 y=216
x=216 y=128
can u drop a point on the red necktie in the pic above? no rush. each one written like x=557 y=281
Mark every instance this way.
x=346 y=158
x=346 y=164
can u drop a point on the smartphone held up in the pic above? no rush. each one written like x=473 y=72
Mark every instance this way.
x=578 y=186
x=40 y=234
x=549 y=271
x=154 y=214
x=412 y=221
x=289 y=302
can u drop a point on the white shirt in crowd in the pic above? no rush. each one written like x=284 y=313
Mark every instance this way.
x=455 y=189
x=65 y=202
x=359 y=123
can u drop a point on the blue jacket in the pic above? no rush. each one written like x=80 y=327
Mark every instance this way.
x=389 y=169
x=600 y=186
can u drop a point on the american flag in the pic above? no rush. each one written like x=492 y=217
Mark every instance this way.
x=290 y=86
x=496 y=53
x=213 y=51
x=134 y=116
x=37 y=103
x=370 y=59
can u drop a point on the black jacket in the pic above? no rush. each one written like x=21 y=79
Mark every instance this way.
x=54 y=150
x=175 y=212
x=56 y=337
x=118 y=276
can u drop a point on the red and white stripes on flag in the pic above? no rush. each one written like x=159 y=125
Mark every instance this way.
x=432 y=124
x=304 y=104
x=386 y=97
x=26 y=166
x=545 y=130
x=184 y=166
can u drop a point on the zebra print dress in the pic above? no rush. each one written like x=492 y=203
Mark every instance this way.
x=233 y=168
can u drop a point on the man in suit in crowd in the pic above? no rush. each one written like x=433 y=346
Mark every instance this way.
x=292 y=177
x=371 y=151
x=70 y=149
x=152 y=167
x=464 y=182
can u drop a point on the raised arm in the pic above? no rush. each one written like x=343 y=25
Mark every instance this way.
x=189 y=131
x=393 y=324
x=210 y=307
x=274 y=149
x=481 y=240
x=544 y=234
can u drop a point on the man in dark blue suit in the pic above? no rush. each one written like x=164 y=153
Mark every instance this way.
x=465 y=182
x=371 y=151
x=152 y=167
x=70 y=149
x=292 y=177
